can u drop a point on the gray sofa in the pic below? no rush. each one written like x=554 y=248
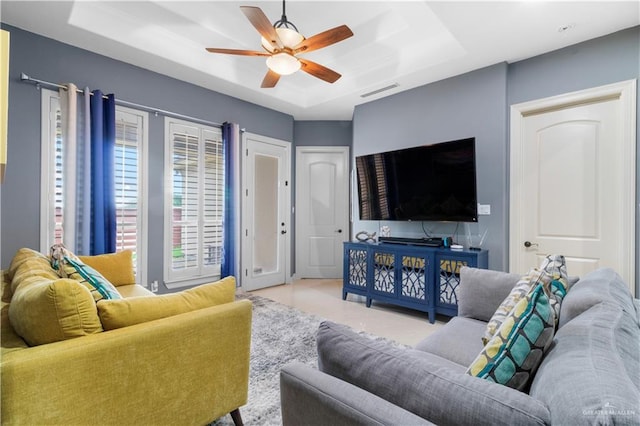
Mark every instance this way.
x=589 y=375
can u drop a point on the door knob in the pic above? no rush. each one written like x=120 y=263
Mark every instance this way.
x=339 y=231
x=284 y=231
x=528 y=244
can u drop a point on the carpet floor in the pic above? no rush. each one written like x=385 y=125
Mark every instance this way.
x=280 y=334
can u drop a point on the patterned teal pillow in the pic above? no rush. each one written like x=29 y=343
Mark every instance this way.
x=68 y=265
x=514 y=353
x=100 y=287
x=517 y=293
x=555 y=267
x=552 y=274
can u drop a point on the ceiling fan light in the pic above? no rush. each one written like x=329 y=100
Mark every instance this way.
x=290 y=38
x=283 y=63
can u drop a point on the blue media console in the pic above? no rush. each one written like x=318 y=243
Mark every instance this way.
x=417 y=277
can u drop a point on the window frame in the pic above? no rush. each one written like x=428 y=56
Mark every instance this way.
x=201 y=274
x=48 y=184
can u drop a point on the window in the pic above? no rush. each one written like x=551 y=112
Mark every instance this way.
x=194 y=207
x=130 y=184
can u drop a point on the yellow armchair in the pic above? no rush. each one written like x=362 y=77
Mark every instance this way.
x=186 y=369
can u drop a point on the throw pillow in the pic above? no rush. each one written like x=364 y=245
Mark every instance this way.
x=555 y=267
x=552 y=274
x=135 y=310
x=117 y=268
x=518 y=292
x=69 y=266
x=514 y=353
x=47 y=311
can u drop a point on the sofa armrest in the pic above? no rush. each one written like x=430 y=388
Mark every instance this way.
x=433 y=391
x=187 y=369
x=481 y=291
x=312 y=398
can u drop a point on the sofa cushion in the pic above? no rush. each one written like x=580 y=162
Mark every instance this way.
x=514 y=353
x=601 y=285
x=134 y=290
x=117 y=268
x=425 y=387
x=458 y=341
x=591 y=373
x=134 y=310
x=8 y=338
x=28 y=266
x=48 y=311
x=482 y=290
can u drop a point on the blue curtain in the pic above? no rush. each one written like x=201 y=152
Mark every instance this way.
x=231 y=221
x=103 y=212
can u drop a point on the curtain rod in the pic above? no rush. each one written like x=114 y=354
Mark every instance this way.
x=25 y=78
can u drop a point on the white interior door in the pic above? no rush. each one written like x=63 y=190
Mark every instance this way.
x=265 y=218
x=322 y=210
x=573 y=181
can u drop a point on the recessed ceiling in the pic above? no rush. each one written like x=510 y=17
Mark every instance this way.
x=396 y=45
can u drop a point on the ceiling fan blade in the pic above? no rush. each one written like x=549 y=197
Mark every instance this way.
x=270 y=80
x=261 y=23
x=320 y=71
x=323 y=39
x=237 y=52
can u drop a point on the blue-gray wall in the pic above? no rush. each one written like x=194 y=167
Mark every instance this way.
x=53 y=61
x=476 y=104
x=469 y=105
x=322 y=133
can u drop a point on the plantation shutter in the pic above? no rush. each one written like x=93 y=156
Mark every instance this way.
x=127 y=178
x=197 y=172
x=213 y=196
x=58 y=201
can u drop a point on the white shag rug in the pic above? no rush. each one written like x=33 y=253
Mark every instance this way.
x=280 y=334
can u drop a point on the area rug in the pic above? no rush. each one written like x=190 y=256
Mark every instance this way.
x=280 y=334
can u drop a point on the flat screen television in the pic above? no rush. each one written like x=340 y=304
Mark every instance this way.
x=424 y=183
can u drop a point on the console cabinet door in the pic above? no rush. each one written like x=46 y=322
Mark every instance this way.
x=356 y=265
x=414 y=275
x=449 y=264
x=385 y=264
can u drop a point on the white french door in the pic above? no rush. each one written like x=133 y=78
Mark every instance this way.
x=266 y=198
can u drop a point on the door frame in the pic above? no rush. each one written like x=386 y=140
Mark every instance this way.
x=246 y=245
x=345 y=152
x=625 y=92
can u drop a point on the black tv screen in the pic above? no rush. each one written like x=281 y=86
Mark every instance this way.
x=425 y=183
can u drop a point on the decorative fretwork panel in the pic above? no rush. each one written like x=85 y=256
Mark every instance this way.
x=414 y=278
x=384 y=275
x=358 y=268
x=450 y=279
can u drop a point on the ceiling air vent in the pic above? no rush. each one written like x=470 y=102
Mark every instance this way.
x=383 y=89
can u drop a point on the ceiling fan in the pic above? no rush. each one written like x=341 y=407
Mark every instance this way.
x=282 y=43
